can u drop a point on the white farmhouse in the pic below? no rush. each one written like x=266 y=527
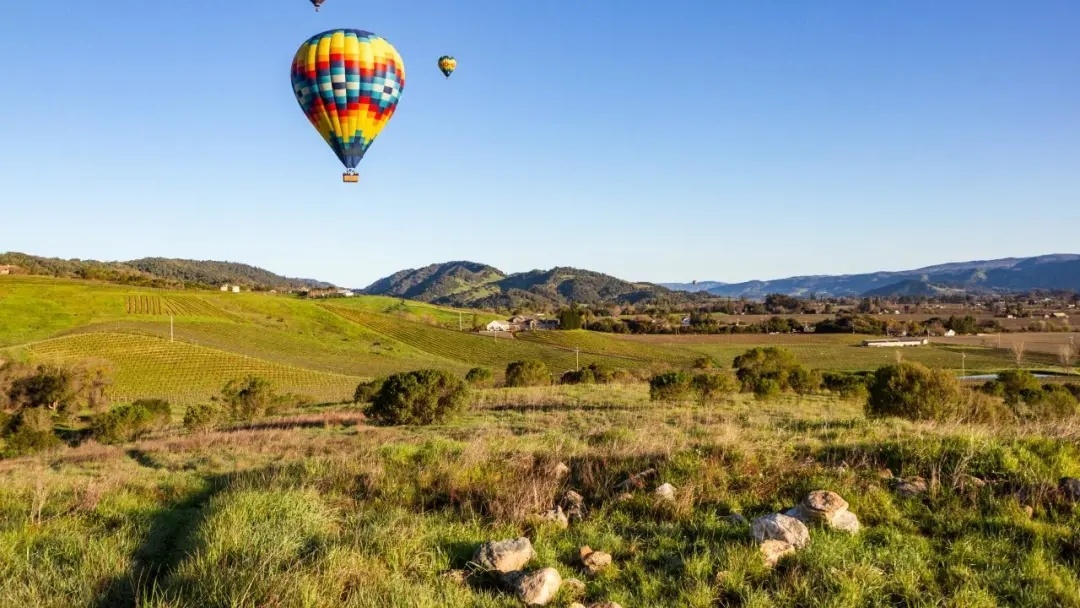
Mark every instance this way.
x=497 y=325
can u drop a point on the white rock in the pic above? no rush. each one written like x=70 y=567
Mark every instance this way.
x=773 y=550
x=778 y=526
x=666 y=491
x=535 y=588
x=845 y=521
x=504 y=555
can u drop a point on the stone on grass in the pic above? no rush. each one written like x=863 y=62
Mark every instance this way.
x=773 y=550
x=665 y=491
x=736 y=519
x=605 y=605
x=778 y=526
x=909 y=488
x=573 y=504
x=846 y=521
x=594 y=561
x=1029 y=510
x=827 y=509
x=636 y=481
x=504 y=555
x=535 y=588
x=561 y=470
x=455 y=576
x=577 y=605
x=555 y=516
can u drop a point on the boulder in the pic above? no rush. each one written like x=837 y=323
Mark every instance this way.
x=845 y=521
x=504 y=555
x=575 y=587
x=778 y=526
x=909 y=488
x=561 y=470
x=573 y=504
x=535 y=588
x=736 y=519
x=594 y=561
x=825 y=508
x=605 y=605
x=555 y=516
x=665 y=491
x=636 y=481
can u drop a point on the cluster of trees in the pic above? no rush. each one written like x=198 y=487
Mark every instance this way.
x=240 y=400
x=34 y=398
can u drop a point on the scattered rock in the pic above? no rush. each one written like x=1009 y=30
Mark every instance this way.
x=455 y=576
x=825 y=508
x=846 y=521
x=556 y=516
x=561 y=470
x=624 y=497
x=504 y=555
x=594 y=561
x=573 y=504
x=577 y=605
x=736 y=519
x=1029 y=510
x=535 y=588
x=909 y=488
x=774 y=550
x=605 y=605
x=574 y=587
x=778 y=526
x=884 y=474
x=1070 y=488
x=636 y=481
x=665 y=491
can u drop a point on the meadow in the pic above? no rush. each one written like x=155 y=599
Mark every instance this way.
x=317 y=347
x=322 y=508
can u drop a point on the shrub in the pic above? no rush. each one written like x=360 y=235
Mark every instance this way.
x=603 y=375
x=846 y=384
x=704 y=363
x=670 y=386
x=712 y=386
x=248 y=399
x=527 y=373
x=1073 y=387
x=203 y=417
x=580 y=376
x=915 y=392
x=764 y=363
x=479 y=376
x=129 y=422
x=766 y=388
x=32 y=432
x=418 y=397
x=803 y=381
x=366 y=391
x=1052 y=402
x=1012 y=384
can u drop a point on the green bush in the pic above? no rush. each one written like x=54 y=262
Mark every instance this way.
x=32 y=431
x=915 y=392
x=1073 y=387
x=479 y=376
x=766 y=388
x=603 y=375
x=366 y=391
x=671 y=386
x=1051 y=402
x=250 y=398
x=527 y=373
x=203 y=417
x=713 y=386
x=419 y=397
x=580 y=376
x=846 y=384
x=129 y=422
x=764 y=363
x=1012 y=384
x=704 y=363
x=803 y=381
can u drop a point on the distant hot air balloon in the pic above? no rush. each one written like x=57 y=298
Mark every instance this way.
x=348 y=83
x=317 y=4
x=447 y=64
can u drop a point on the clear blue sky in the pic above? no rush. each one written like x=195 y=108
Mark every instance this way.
x=654 y=141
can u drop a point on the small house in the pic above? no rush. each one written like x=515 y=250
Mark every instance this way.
x=497 y=325
x=950 y=333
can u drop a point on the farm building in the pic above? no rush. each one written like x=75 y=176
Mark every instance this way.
x=498 y=326
x=232 y=288
x=895 y=343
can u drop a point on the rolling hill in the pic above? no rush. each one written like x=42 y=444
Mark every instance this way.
x=1046 y=272
x=158 y=272
x=481 y=286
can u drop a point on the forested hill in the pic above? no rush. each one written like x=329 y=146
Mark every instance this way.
x=471 y=284
x=157 y=272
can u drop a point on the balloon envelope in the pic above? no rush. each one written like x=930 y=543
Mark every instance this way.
x=348 y=83
x=447 y=65
x=317 y=3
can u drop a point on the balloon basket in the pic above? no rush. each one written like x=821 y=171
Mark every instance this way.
x=350 y=178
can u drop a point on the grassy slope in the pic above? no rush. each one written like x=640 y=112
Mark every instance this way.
x=346 y=514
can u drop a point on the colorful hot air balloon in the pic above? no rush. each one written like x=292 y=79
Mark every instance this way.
x=447 y=64
x=348 y=82
x=317 y=4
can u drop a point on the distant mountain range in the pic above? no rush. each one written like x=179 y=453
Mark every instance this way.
x=1060 y=271
x=159 y=272
x=477 y=285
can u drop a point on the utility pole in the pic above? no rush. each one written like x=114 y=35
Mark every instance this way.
x=170 y=328
x=963 y=364
x=577 y=358
x=459 y=320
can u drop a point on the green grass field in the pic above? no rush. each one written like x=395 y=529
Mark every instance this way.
x=362 y=337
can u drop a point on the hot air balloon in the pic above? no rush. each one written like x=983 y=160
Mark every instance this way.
x=317 y=4
x=348 y=83
x=447 y=64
